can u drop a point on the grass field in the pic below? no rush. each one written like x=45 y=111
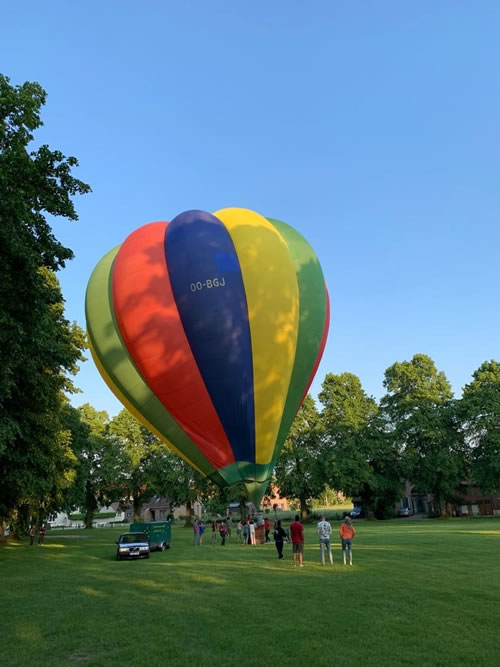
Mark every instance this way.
x=419 y=593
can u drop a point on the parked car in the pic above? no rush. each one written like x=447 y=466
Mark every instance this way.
x=405 y=511
x=357 y=513
x=132 y=545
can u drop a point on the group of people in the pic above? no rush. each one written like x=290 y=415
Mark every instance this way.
x=224 y=530
x=41 y=534
x=245 y=531
x=347 y=533
x=198 y=532
x=245 y=534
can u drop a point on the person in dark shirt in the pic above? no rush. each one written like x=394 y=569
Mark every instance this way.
x=222 y=531
x=279 y=538
x=41 y=534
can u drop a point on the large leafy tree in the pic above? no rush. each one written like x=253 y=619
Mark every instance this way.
x=346 y=405
x=346 y=411
x=480 y=416
x=147 y=467
x=172 y=478
x=98 y=465
x=38 y=346
x=359 y=458
x=421 y=420
x=139 y=452
x=411 y=384
x=299 y=471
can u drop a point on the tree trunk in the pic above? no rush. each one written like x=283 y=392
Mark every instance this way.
x=3 y=526
x=137 y=508
x=90 y=504
x=304 y=510
x=440 y=510
x=243 y=508
x=23 y=522
x=89 y=515
x=189 y=514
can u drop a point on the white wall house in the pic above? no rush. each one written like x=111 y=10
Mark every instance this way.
x=62 y=519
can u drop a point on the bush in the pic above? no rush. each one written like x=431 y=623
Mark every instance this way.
x=81 y=517
x=330 y=515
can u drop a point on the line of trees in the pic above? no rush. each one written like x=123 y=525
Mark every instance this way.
x=118 y=459
x=418 y=432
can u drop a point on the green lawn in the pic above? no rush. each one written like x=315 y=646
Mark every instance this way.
x=419 y=593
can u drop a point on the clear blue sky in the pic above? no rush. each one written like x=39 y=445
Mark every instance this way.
x=372 y=127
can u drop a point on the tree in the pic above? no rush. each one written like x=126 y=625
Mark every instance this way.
x=98 y=465
x=36 y=460
x=346 y=411
x=421 y=420
x=328 y=498
x=299 y=471
x=411 y=384
x=345 y=403
x=174 y=479
x=359 y=458
x=480 y=417
x=38 y=346
x=134 y=448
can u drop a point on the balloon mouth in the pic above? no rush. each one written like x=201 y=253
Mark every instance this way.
x=255 y=490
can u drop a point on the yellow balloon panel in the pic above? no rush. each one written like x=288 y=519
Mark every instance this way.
x=272 y=295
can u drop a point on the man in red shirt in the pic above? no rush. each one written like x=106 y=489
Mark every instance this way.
x=297 y=535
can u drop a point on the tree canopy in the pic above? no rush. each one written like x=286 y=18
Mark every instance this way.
x=480 y=418
x=38 y=346
x=299 y=472
x=420 y=417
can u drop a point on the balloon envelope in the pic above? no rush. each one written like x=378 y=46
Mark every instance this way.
x=209 y=329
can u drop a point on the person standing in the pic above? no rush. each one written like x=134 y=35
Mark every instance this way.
x=214 y=531
x=222 y=531
x=324 y=532
x=32 y=535
x=229 y=526
x=239 y=532
x=279 y=537
x=267 y=528
x=297 y=535
x=246 y=532
x=201 y=531
x=196 y=533
x=251 y=527
x=41 y=534
x=347 y=533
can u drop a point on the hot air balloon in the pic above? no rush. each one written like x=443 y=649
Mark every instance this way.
x=209 y=329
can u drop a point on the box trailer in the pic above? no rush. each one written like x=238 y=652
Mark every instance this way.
x=159 y=533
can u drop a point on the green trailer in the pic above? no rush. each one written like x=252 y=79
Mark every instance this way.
x=159 y=533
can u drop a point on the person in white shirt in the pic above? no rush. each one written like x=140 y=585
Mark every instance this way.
x=251 y=527
x=324 y=532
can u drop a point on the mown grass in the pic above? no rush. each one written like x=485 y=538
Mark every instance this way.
x=419 y=593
